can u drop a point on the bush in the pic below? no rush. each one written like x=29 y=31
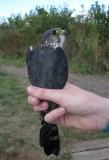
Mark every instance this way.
x=87 y=39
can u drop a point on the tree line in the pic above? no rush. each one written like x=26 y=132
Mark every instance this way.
x=87 y=42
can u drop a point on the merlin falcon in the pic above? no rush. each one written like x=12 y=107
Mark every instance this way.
x=48 y=68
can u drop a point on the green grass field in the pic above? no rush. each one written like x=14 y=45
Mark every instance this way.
x=19 y=125
x=13 y=60
x=20 y=62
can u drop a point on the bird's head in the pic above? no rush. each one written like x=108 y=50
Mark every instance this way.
x=54 y=37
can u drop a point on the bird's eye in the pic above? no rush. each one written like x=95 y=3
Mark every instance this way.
x=54 y=32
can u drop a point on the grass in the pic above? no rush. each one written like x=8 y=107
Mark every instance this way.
x=74 y=66
x=13 y=60
x=17 y=120
x=20 y=125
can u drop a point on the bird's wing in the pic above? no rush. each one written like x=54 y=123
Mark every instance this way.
x=47 y=67
x=61 y=68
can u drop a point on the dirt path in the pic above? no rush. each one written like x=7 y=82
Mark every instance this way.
x=21 y=72
x=96 y=83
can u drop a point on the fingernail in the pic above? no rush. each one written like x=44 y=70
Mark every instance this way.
x=32 y=100
x=29 y=89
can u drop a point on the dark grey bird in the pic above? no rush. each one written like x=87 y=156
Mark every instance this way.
x=48 y=68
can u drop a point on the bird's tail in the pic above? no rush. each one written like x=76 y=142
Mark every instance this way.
x=49 y=137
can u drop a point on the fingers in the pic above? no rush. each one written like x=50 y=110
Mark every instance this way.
x=36 y=95
x=33 y=101
x=37 y=104
x=41 y=107
x=53 y=116
x=45 y=94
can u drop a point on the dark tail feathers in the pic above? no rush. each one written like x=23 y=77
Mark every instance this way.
x=49 y=139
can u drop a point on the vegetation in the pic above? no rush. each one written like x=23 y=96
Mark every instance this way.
x=19 y=125
x=87 y=48
x=87 y=44
x=12 y=60
x=88 y=35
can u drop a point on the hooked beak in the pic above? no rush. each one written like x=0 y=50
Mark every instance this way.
x=64 y=32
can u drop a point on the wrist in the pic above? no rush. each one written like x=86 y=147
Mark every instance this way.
x=106 y=129
x=104 y=105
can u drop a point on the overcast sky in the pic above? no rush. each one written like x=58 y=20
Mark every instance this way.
x=23 y=6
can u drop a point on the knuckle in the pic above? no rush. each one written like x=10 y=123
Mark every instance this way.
x=41 y=92
x=33 y=100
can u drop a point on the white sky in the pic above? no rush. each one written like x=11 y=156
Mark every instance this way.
x=7 y=7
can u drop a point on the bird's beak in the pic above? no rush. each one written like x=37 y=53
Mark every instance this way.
x=64 y=32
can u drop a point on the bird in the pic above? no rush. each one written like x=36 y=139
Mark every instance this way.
x=47 y=67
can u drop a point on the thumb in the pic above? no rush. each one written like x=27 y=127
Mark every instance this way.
x=54 y=95
x=53 y=116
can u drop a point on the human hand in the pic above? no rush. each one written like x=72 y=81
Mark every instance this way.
x=77 y=108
